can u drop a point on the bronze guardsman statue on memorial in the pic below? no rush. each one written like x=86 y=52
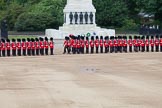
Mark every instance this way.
x=71 y=18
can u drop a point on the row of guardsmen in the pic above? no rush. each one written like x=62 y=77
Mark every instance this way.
x=79 y=44
x=26 y=47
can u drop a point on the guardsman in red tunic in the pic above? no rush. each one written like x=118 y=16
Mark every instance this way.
x=115 y=45
x=152 y=43
x=72 y=39
x=28 y=45
x=33 y=47
x=87 y=45
x=97 y=44
x=147 y=43
x=23 y=45
x=18 y=46
x=3 y=47
x=106 y=44
x=92 y=44
x=41 y=45
x=111 y=44
x=125 y=44
x=51 y=44
x=37 y=46
x=101 y=44
x=161 y=43
x=142 y=44
x=139 y=43
x=13 y=45
x=135 y=44
x=82 y=44
x=8 y=47
x=120 y=44
x=46 y=45
x=157 y=43
x=66 y=45
x=130 y=43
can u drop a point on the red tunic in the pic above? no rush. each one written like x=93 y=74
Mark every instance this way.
x=23 y=45
x=110 y=43
x=152 y=42
x=41 y=44
x=105 y=43
x=101 y=43
x=92 y=43
x=2 y=46
x=37 y=45
x=66 y=43
x=7 y=46
x=147 y=42
x=115 y=43
x=51 y=44
x=78 y=44
x=28 y=45
x=142 y=43
x=156 y=42
x=87 y=43
x=97 y=43
x=130 y=43
x=82 y=43
x=32 y=45
x=124 y=43
x=45 y=44
x=18 y=45
x=13 y=45
x=160 y=42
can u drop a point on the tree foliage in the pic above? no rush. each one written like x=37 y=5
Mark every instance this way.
x=37 y=15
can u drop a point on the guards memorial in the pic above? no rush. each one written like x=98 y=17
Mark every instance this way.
x=79 y=19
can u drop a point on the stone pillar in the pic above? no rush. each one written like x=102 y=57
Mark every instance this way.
x=94 y=18
x=89 y=18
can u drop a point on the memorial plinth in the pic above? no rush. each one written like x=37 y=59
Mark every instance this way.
x=79 y=19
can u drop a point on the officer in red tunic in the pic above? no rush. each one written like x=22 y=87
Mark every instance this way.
x=130 y=43
x=87 y=45
x=92 y=43
x=23 y=45
x=51 y=44
x=3 y=47
x=8 y=47
x=28 y=45
x=157 y=43
x=37 y=46
x=82 y=44
x=33 y=47
x=147 y=43
x=101 y=44
x=161 y=43
x=13 y=45
x=106 y=44
x=18 y=45
x=46 y=45
x=152 y=43
x=97 y=44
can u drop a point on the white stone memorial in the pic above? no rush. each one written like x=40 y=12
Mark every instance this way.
x=79 y=19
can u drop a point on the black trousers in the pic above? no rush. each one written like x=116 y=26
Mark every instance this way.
x=96 y=49
x=73 y=50
x=152 y=48
x=101 y=49
x=78 y=51
x=29 y=52
x=87 y=50
x=116 y=49
x=3 y=53
x=14 y=52
x=66 y=49
x=130 y=48
x=160 y=48
x=136 y=49
x=111 y=49
x=46 y=51
x=37 y=52
x=24 y=52
x=51 y=51
x=147 y=48
x=92 y=50
x=157 y=48
x=19 y=52
x=106 y=49
x=33 y=52
x=0 y=53
x=142 y=48
x=82 y=50
x=8 y=52
x=125 y=49
x=139 y=48
x=120 y=49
